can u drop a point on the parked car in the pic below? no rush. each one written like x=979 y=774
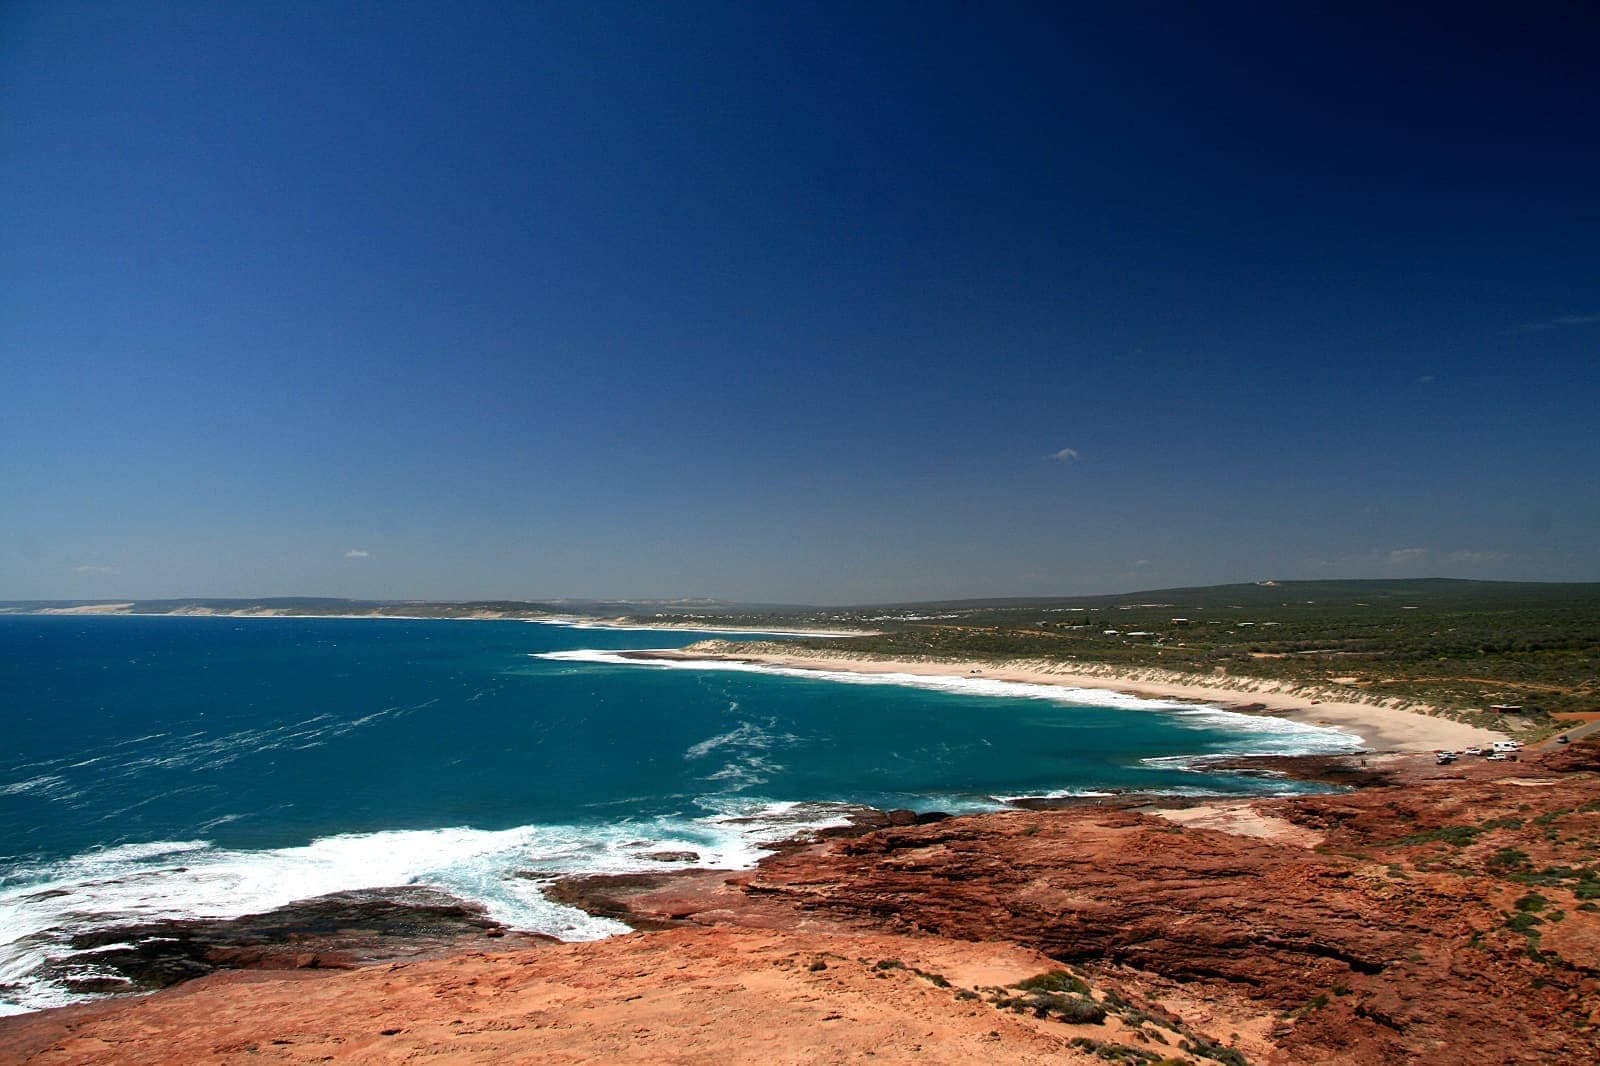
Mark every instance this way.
x=1499 y=756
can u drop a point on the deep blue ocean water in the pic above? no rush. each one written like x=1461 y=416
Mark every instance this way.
x=176 y=766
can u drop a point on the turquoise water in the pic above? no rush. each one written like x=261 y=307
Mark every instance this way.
x=211 y=766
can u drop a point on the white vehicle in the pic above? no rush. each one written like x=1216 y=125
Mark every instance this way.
x=1474 y=751
x=1506 y=747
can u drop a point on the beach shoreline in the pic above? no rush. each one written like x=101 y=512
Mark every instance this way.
x=1379 y=727
x=689 y=627
x=574 y=621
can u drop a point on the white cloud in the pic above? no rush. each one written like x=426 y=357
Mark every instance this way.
x=1065 y=455
x=1564 y=320
x=86 y=568
x=1471 y=557
x=1419 y=562
x=358 y=553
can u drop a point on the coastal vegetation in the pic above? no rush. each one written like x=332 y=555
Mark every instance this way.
x=1511 y=655
x=308 y=607
x=1508 y=655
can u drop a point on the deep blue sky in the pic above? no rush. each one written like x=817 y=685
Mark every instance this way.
x=793 y=302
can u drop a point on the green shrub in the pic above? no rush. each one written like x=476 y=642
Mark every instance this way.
x=1316 y=1002
x=1079 y=1010
x=1507 y=859
x=1104 y=1049
x=1226 y=1055
x=1066 y=1007
x=1054 y=981
x=1455 y=835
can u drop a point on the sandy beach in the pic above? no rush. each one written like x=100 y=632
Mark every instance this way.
x=580 y=622
x=1381 y=727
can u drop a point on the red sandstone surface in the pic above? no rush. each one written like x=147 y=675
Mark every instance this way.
x=1452 y=916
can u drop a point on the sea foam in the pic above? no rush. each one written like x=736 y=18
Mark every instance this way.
x=1259 y=734
x=41 y=905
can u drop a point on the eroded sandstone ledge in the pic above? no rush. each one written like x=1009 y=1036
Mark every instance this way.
x=1452 y=915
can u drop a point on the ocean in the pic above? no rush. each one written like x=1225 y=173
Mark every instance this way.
x=160 y=767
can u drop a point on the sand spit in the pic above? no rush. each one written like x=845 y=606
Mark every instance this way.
x=1382 y=726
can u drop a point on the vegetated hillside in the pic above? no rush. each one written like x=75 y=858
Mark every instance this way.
x=1459 y=645
x=330 y=606
x=312 y=606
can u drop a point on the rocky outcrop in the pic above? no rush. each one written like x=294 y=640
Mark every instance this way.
x=1416 y=926
x=337 y=931
x=1448 y=918
x=683 y=996
x=1112 y=887
x=1573 y=758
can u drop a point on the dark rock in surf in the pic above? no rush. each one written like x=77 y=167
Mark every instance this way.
x=338 y=931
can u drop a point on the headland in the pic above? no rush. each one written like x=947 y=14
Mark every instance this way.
x=1440 y=909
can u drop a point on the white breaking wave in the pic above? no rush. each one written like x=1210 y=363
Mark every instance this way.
x=42 y=905
x=125 y=758
x=592 y=623
x=746 y=773
x=1193 y=792
x=1266 y=735
x=1207 y=761
x=747 y=766
x=747 y=735
x=1057 y=793
x=44 y=785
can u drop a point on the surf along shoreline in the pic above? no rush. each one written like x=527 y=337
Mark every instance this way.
x=1379 y=726
x=1206 y=929
x=404 y=928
